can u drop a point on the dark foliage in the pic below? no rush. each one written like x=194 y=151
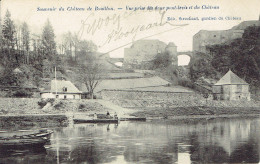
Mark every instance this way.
x=241 y=55
x=22 y=93
x=162 y=60
x=186 y=83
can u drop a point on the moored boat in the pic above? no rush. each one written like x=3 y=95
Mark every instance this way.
x=21 y=142
x=31 y=140
x=95 y=121
x=44 y=133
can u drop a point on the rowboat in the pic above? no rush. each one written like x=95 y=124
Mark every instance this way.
x=33 y=140
x=77 y=121
x=44 y=133
x=21 y=142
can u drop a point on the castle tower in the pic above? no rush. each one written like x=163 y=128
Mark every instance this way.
x=171 y=49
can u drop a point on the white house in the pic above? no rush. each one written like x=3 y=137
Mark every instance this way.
x=62 y=89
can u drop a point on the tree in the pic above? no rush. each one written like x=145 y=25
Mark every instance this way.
x=8 y=35
x=91 y=75
x=87 y=46
x=201 y=66
x=48 y=42
x=162 y=60
x=25 y=41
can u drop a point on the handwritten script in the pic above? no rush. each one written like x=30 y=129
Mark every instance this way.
x=92 y=26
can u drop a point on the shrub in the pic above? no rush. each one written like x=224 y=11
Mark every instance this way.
x=186 y=83
x=82 y=106
x=43 y=102
x=22 y=93
x=59 y=106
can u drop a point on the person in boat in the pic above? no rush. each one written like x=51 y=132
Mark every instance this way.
x=115 y=116
x=108 y=114
x=95 y=116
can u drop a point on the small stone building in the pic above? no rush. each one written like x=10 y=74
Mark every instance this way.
x=231 y=87
x=61 y=89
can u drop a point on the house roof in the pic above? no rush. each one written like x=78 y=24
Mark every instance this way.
x=17 y=70
x=71 y=88
x=131 y=83
x=231 y=78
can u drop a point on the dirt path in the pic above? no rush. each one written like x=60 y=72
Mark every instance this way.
x=115 y=108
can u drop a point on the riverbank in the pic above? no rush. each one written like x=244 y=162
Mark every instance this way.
x=196 y=111
x=34 y=106
x=29 y=106
x=18 y=122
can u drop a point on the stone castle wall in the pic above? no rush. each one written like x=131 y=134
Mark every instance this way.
x=144 y=51
x=204 y=38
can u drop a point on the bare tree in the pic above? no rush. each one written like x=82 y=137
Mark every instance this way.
x=91 y=75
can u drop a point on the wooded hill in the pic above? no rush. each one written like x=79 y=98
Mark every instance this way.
x=241 y=55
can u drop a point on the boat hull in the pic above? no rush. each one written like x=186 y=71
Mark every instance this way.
x=77 y=121
x=22 y=143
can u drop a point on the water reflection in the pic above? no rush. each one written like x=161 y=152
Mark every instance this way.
x=212 y=141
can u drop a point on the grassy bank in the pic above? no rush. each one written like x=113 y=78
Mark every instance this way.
x=27 y=121
x=201 y=111
x=25 y=106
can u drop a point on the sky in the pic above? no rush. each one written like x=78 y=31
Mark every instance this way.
x=115 y=30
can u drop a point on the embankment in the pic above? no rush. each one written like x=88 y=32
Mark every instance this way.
x=170 y=104
x=22 y=113
x=27 y=121
x=28 y=106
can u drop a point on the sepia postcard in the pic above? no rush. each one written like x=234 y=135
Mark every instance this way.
x=129 y=81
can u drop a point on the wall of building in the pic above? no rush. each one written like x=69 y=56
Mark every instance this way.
x=231 y=92
x=61 y=96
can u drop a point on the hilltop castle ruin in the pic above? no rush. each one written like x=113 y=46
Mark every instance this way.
x=141 y=54
x=204 y=38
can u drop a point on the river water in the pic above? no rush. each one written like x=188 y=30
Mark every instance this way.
x=220 y=140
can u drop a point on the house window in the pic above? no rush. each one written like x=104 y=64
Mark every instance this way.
x=74 y=96
x=65 y=96
x=57 y=96
x=65 y=89
x=215 y=36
